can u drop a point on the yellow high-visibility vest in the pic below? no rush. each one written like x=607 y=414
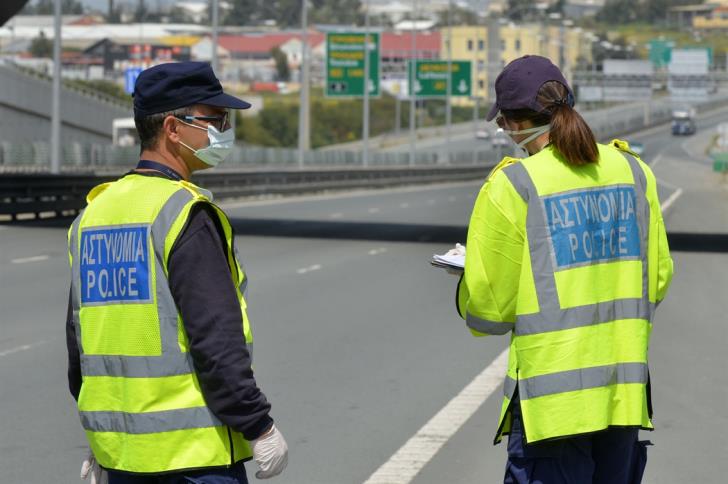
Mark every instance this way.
x=140 y=403
x=572 y=261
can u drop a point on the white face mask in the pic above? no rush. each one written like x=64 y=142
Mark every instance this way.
x=220 y=147
x=537 y=131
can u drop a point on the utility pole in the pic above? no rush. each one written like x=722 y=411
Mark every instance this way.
x=303 y=111
x=56 y=103
x=412 y=84
x=367 y=68
x=215 y=26
x=448 y=100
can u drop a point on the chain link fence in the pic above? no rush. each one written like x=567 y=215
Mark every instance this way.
x=609 y=122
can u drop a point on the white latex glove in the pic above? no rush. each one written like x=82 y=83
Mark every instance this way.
x=457 y=250
x=270 y=451
x=92 y=468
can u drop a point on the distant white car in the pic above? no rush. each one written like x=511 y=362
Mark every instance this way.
x=482 y=134
x=500 y=139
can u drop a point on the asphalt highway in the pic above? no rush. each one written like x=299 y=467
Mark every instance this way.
x=358 y=345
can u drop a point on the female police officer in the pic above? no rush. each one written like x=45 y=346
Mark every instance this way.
x=566 y=251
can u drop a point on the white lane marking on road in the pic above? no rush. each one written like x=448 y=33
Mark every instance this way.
x=671 y=199
x=25 y=260
x=304 y=270
x=404 y=205
x=336 y=215
x=373 y=210
x=657 y=159
x=380 y=250
x=18 y=349
x=667 y=184
x=409 y=460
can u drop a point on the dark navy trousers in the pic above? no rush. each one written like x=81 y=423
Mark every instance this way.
x=612 y=456
x=232 y=475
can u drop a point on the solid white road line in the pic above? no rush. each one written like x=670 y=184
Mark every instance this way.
x=656 y=160
x=380 y=250
x=671 y=199
x=409 y=460
x=18 y=349
x=25 y=260
x=312 y=268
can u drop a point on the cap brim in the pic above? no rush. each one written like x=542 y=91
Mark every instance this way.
x=225 y=101
x=493 y=112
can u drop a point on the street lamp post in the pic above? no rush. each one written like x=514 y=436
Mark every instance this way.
x=303 y=111
x=56 y=103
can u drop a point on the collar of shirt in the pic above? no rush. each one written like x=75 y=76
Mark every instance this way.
x=161 y=168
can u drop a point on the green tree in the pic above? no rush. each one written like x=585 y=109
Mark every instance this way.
x=283 y=72
x=47 y=7
x=287 y=13
x=520 y=9
x=460 y=16
x=41 y=46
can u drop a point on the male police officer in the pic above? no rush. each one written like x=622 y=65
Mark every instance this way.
x=158 y=337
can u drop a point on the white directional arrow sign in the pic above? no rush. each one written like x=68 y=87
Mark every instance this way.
x=463 y=86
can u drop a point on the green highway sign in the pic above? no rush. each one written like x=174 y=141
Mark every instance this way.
x=720 y=162
x=431 y=78
x=345 y=64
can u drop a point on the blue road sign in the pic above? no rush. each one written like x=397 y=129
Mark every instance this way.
x=130 y=76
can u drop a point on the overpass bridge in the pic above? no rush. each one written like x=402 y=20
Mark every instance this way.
x=25 y=110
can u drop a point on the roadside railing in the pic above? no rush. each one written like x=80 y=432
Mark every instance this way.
x=24 y=196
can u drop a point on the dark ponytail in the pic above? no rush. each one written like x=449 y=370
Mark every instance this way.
x=569 y=134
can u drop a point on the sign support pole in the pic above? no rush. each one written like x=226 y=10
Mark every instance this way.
x=411 y=83
x=448 y=107
x=367 y=67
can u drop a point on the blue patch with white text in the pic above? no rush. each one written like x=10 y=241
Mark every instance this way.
x=115 y=265
x=594 y=225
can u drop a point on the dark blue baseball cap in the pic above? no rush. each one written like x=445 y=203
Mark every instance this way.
x=166 y=87
x=518 y=85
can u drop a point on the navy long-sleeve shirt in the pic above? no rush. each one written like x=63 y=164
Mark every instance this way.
x=199 y=278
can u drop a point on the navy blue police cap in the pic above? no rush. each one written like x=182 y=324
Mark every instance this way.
x=166 y=87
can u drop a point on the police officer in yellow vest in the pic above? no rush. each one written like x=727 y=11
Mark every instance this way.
x=159 y=342
x=567 y=253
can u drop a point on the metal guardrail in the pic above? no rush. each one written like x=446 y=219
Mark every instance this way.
x=40 y=196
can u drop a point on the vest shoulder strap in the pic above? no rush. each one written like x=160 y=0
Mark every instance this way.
x=623 y=146
x=506 y=161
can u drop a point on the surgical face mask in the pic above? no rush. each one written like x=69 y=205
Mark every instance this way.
x=535 y=133
x=220 y=147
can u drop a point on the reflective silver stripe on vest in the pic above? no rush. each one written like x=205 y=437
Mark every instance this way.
x=582 y=379
x=75 y=251
x=136 y=366
x=166 y=306
x=149 y=422
x=643 y=208
x=509 y=386
x=485 y=326
x=551 y=316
